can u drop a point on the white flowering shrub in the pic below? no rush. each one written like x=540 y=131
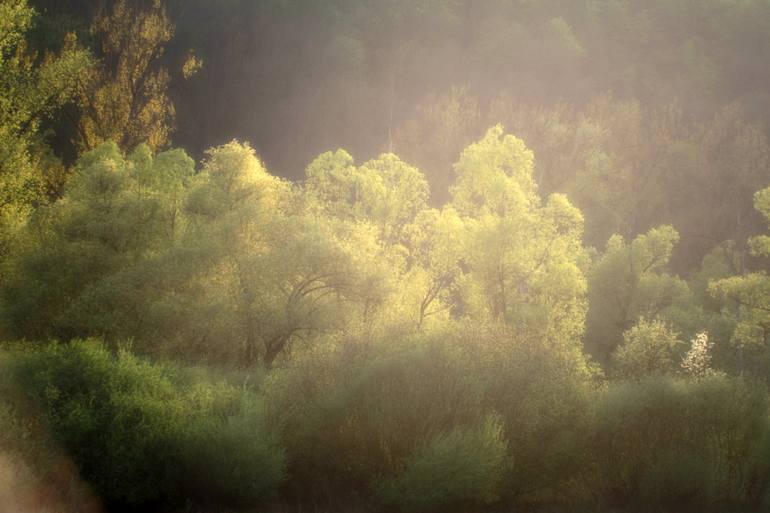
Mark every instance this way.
x=697 y=361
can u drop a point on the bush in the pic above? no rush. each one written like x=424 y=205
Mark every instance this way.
x=649 y=347
x=231 y=461
x=543 y=392
x=674 y=443
x=136 y=436
x=350 y=412
x=461 y=467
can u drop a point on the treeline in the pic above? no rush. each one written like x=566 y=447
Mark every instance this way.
x=582 y=326
x=231 y=264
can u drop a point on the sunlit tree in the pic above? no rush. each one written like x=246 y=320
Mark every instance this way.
x=750 y=293
x=126 y=99
x=386 y=192
x=630 y=281
x=32 y=88
x=523 y=256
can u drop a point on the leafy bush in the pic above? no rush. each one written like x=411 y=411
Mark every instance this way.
x=349 y=411
x=543 y=391
x=231 y=461
x=649 y=347
x=137 y=437
x=463 y=466
x=676 y=443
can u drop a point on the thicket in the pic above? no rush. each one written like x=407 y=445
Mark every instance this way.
x=411 y=425
x=139 y=434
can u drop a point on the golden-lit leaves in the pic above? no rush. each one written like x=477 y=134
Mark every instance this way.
x=126 y=99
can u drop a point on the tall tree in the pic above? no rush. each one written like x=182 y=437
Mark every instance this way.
x=524 y=257
x=749 y=294
x=32 y=87
x=127 y=99
x=630 y=281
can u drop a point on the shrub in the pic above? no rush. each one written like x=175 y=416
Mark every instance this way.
x=136 y=436
x=463 y=466
x=231 y=461
x=543 y=391
x=677 y=443
x=349 y=412
x=649 y=347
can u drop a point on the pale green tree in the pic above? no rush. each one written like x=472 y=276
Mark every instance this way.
x=649 y=347
x=272 y=269
x=386 y=192
x=630 y=281
x=750 y=293
x=523 y=257
x=435 y=253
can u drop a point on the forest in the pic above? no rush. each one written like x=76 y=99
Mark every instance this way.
x=384 y=256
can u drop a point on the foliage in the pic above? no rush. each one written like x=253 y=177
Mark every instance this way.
x=697 y=361
x=349 y=411
x=628 y=282
x=32 y=88
x=673 y=443
x=126 y=100
x=136 y=436
x=524 y=258
x=750 y=293
x=542 y=390
x=462 y=466
x=386 y=191
x=85 y=264
x=650 y=347
x=419 y=353
x=232 y=461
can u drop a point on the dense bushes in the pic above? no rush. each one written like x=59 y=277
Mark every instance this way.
x=446 y=420
x=542 y=390
x=470 y=414
x=676 y=443
x=350 y=411
x=437 y=422
x=462 y=466
x=138 y=438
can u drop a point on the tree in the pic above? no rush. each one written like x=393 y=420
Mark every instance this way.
x=435 y=134
x=628 y=282
x=274 y=271
x=523 y=257
x=749 y=294
x=88 y=264
x=386 y=192
x=126 y=100
x=697 y=360
x=32 y=88
x=649 y=347
x=435 y=256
